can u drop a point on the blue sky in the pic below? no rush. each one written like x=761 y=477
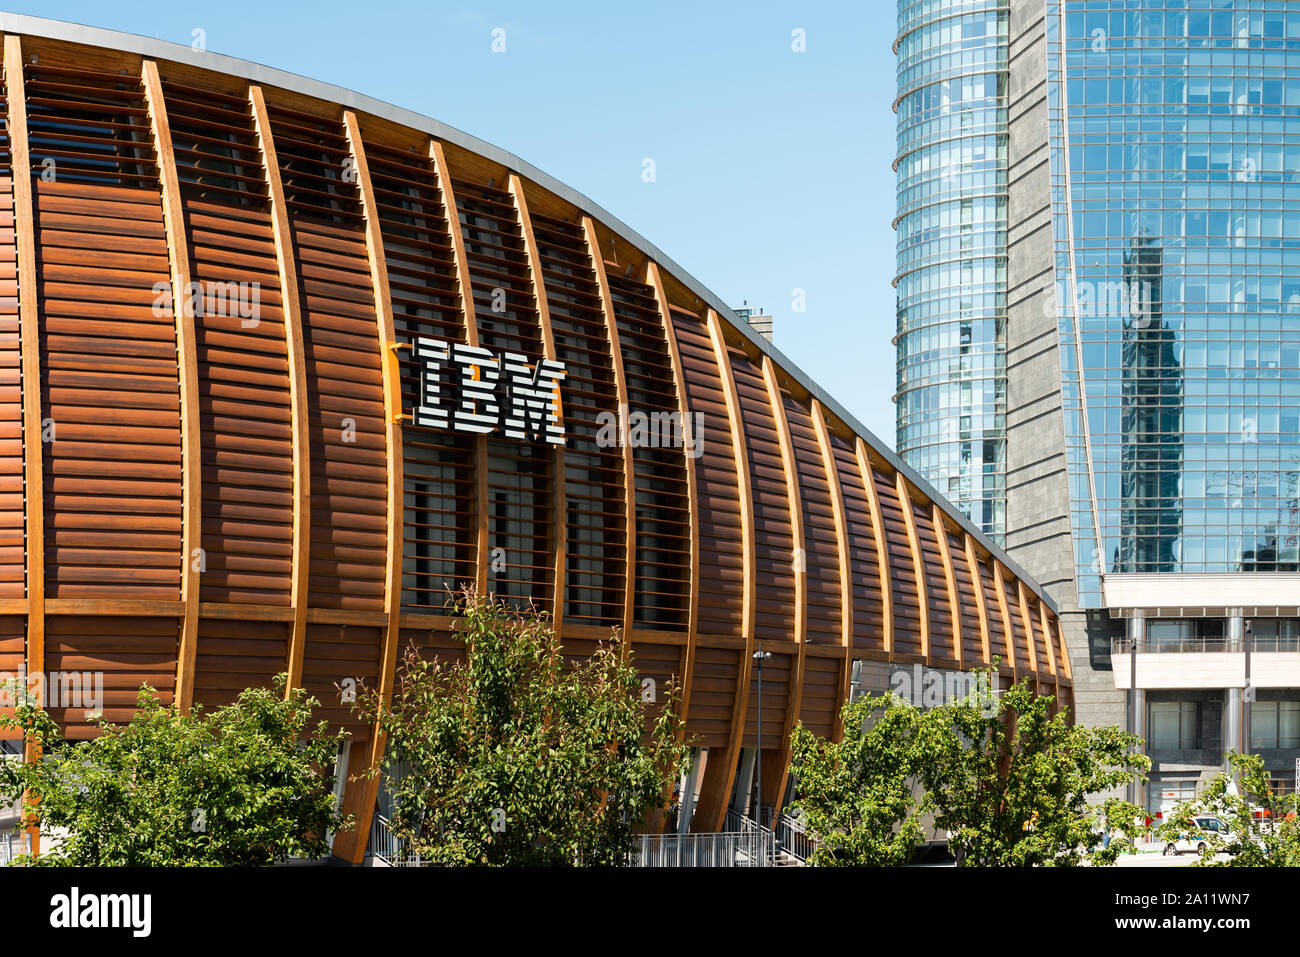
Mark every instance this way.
x=772 y=167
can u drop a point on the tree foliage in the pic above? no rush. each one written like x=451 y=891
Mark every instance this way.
x=247 y=784
x=1262 y=827
x=513 y=757
x=1007 y=777
x=856 y=795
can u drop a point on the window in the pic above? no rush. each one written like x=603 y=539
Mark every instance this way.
x=1281 y=784
x=1275 y=724
x=1173 y=725
x=1163 y=794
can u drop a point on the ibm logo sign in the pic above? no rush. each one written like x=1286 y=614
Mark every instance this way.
x=471 y=389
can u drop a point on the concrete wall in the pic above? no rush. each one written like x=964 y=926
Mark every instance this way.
x=1038 y=506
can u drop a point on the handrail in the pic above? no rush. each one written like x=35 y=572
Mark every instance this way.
x=792 y=838
x=387 y=848
x=752 y=847
x=1262 y=644
x=7 y=850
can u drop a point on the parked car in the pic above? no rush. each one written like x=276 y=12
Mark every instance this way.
x=1196 y=839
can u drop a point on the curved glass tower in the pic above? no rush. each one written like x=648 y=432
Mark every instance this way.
x=952 y=228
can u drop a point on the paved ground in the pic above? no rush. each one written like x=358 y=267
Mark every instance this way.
x=1153 y=858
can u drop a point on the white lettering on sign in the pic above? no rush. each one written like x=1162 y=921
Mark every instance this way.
x=472 y=389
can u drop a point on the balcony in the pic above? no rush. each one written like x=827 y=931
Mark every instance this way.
x=1180 y=663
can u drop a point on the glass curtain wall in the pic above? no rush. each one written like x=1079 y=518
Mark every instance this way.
x=952 y=228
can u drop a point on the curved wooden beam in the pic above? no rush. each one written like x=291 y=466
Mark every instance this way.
x=846 y=569
x=689 y=442
x=882 y=547
x=621 y=397
x=1045 y=627
x=918 y=561
x=559 y=514
x=351 y=845
x=30 y=344
x=950 y=576
x=995 y=567
x=798 y=535
x=977 y=586
x=183 y=294
x=1028 y=623
x=299 y=401
x=749 y=605
x=483 y=532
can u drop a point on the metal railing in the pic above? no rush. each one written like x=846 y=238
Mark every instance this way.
x=1121 y=646
x=752 y=847
x=386 y=848
x=745 y=843
x=12 y=845
x=792 y=838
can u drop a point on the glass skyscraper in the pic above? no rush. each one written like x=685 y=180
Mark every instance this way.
x=1145 y=341
x=1176 y=181
x=952 y=227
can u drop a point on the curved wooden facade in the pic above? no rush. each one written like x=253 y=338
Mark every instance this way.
x=222 y=497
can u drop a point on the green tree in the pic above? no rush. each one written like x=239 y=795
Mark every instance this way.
x=857 y=795
x=1261 y=826
x=1010 y=778
x=247 y=784
x=1005 y=776
x=512 y=757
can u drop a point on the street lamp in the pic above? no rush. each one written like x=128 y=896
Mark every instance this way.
x=760 y=656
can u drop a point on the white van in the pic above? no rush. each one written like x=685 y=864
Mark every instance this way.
x=1196 y=839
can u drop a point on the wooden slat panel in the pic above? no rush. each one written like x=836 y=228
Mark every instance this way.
x=1016 y=646
x=244 y=396
x=13 y=644
x=127 y=651
x=866 y=475
x=666 y=593
x=918 y=562
x=13 y=570
x=976 y=571
x=864 y=576
x=1001 y=629
x=338 y=660
x=234 y=654
x=518 y=507
x=844 y=545
x=781 y=611
x=821 y=545
x=559 y=523
x=717 y=484
x=943 y=544
x=1032 y=643
x=446 y=519
x=111 y=394
x=906 y=606
x=349 y=484
x=821 y=694
x=713 y=702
